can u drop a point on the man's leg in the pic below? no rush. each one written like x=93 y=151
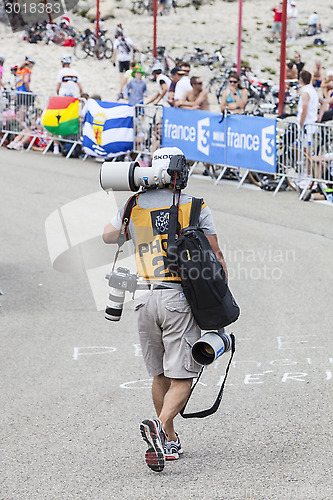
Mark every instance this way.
x=173 y=402
x=160 y=387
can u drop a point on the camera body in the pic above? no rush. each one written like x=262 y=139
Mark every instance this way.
x=120 y=281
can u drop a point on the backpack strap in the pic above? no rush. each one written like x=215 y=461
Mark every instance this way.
x=195 y=211
x=212 y=409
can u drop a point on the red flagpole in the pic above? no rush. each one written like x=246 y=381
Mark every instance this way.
x=155 y=26
x=97 y=19
x=282 y=90
x=239 y=48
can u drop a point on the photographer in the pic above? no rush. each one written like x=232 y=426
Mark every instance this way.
x=167 y=328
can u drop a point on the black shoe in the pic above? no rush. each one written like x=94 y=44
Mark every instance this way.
x=154 y=435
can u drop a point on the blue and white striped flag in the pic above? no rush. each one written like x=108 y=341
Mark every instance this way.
x=108 y=128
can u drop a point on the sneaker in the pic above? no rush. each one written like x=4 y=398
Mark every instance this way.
x=173 y=449
x=155 y=437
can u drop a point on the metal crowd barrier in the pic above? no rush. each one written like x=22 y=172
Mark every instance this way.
x=299 y=155
x=21 y=113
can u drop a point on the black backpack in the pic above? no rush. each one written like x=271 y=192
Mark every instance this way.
x=204 y=282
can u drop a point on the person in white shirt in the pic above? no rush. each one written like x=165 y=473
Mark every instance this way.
x=161 y=96
x=292 y=14
x=68 y=80
x=122 y=50
x=184 y=83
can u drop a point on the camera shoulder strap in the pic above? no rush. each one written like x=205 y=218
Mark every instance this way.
x=212 y=409
x=195 y=211
x=126 y=218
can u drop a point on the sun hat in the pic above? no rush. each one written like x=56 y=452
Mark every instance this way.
x=138 y=69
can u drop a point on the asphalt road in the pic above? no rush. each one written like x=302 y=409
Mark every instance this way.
x=74 y=388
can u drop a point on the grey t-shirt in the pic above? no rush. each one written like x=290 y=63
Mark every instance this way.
x=135 y=91
x=157 y=198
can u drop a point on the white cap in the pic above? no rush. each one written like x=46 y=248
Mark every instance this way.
x=162 y=157
x=157 y=67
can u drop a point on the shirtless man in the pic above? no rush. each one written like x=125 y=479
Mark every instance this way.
x=197 y=98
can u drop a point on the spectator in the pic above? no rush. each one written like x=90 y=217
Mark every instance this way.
x=277 y=22
x=327 y=84
x=184 y=83
x=291 y=71
x=68 y=80
x=161 y=96
x=314 y=24
x=175 y=79
x=307 y=109
x=234 y=98
x=24 y=97
x=318 y=74
x=136 y=88
x=197 y=98
x=123 y=51
x=299 y=63
x=2 y=60
x=292 y=14
x=128 y=74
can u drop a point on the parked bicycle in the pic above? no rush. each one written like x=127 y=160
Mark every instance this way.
x=90 y=45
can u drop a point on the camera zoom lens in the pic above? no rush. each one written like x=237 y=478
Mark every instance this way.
x=115 y=304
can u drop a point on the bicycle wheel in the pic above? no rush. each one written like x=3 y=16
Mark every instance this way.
x=108 y=48
x=138 y=7
x=221 y=89
x=80 y=49
x=99 y=49
x=252 y=106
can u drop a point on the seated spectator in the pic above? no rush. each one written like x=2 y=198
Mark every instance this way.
x=234 y=98
x=197 y=98
x=318 y=74
x=291 y=71
x=327 y=84
x=314 y=24
x=299 y=63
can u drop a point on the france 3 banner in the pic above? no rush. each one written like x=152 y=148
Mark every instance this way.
x=108 y=128
x=237 y=140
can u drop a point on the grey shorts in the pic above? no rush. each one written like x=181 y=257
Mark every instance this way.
x=167 y=331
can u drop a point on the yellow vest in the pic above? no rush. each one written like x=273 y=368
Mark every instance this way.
x=151 y=226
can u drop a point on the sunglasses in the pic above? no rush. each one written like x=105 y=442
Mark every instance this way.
x=198 y=83
x=233 y=81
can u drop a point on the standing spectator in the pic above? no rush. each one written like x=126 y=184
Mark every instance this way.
x=136 y=88
x=277 y=22
x=184 y=83
x=307 y=109
x=234 y=98
x=160 y=97
x=292 y=14
x=68 y=80
x=2 y=60
x=197 y=98
x=24 y=96
x=175 y=79
x=123 y=51
x=299 y=63
x=318 y=74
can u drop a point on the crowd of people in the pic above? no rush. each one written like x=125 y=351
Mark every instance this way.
x=314 y=24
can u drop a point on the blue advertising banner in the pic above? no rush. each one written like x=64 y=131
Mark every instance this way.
x=239 y=140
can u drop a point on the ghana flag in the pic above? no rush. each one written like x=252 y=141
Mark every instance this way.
x=61 y=116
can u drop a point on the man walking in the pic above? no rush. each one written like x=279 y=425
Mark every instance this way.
x=123 y=51
x=68 y=80
x=167 y=328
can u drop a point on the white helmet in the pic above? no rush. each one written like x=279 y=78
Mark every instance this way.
x=66 y=59
x=30 y=59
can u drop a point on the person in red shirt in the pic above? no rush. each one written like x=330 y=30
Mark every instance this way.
x=277 y=23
